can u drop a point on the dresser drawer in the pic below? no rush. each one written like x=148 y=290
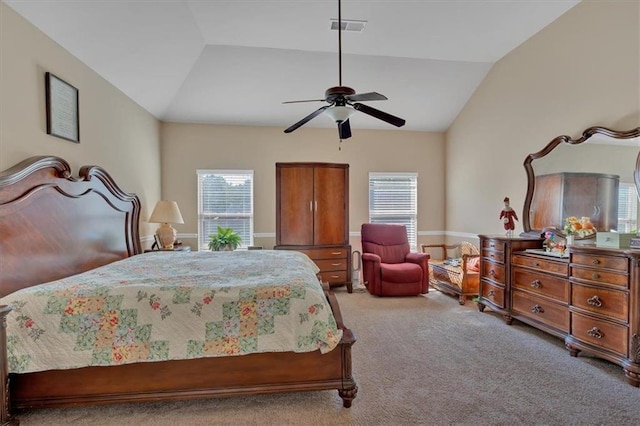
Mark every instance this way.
x=493 y=245
x=493 y=293
x=612 y=303
x=332 y=264
x=493 y=271
x=496 y=256
x=553 y=267
x=600 y=276
x=326 y=253
x=542 y=310
x=333 y=277
x=601 y=262
x=539 y=283
x=599 y=333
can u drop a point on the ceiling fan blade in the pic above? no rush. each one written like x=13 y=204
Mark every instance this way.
x=369 y=96
x=306 y=100
x=381 y=115
x=307 y=119
x=344 y=129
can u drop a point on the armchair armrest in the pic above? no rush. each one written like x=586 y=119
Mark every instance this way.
x=371 y=257
x=417 y=257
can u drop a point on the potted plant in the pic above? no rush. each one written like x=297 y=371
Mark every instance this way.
x=225 y=239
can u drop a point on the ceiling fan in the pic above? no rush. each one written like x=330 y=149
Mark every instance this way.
x=343 y=101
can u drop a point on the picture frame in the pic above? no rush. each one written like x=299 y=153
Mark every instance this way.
x=62 y=103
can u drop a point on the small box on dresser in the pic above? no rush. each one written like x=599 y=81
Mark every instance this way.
x=613 y=239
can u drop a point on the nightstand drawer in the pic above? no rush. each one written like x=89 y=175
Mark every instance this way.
x=333 y=276
x=326 y=253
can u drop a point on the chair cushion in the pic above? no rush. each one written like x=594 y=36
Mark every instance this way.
x=401 y=272
x=388 y=254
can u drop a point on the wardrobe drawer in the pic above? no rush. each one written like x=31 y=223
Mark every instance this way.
x=326 y=253
x=539 y=283
x=542 y=310
x=599 y=333
x=332 y=264
x=493 y=245
x=612 y=303
x=333 y=277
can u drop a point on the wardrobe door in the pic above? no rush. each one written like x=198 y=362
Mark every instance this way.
x=330 y=205
x=295 y=206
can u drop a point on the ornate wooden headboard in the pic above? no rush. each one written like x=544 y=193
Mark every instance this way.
x=53 y=225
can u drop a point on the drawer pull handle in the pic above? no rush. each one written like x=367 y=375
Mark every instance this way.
x=595 y=333
x=336 y=253
x=336 y=264
x=492 y=272
x=490 y=293
x=594 y=301
x=595 y=275
x=536 y=264
x=595 y=261
x=492 y=245
x=335 y=276
x=536 y=284
x=537 y=309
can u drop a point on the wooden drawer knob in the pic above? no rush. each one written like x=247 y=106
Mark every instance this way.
x=595 y=275
x=594 y=301
x=595 y=261
x=537 y=309
x=536 y=284
x=490 y=293
x=595 y=333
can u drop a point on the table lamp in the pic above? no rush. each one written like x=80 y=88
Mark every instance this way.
x=166 y=213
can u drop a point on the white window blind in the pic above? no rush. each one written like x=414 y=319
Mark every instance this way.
x=627 y=208
x=225 y=198
x=393 y=198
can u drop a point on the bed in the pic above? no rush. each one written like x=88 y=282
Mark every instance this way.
x=55 y=228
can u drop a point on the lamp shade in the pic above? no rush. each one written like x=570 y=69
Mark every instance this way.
x=339 y=113
x=166 y=212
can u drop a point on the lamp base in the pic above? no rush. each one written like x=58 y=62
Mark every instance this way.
x=166 y=236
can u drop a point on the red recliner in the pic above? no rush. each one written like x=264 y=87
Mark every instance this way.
x=388 y=266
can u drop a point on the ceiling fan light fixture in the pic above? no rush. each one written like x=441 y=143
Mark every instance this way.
x=339 y=113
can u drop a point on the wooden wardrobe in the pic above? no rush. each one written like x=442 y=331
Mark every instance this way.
x=312 y=216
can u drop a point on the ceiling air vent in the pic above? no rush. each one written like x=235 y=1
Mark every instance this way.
x=349 y=25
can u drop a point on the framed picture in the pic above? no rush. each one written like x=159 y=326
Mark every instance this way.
x=62 y=109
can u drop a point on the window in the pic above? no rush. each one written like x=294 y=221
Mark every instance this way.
x=627 y=208
x=225 y=198
x=393 y=198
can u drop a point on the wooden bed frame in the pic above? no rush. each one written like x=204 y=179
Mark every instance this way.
x=53 y=225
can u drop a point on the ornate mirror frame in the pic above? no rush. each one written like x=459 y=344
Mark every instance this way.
x=586 y=135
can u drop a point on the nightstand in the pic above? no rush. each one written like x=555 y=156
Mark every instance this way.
x=176 y=248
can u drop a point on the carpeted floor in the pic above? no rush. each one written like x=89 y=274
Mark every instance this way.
x=418 y=360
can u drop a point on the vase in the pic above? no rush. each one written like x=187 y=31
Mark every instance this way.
x=570 y=240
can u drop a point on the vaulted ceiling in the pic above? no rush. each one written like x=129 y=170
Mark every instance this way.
x=235 y=62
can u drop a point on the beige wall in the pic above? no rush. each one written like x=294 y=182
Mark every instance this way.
x=188 y=147
x=115 y=132
x=580 y=71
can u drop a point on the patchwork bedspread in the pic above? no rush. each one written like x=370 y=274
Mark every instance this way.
x=167 y=306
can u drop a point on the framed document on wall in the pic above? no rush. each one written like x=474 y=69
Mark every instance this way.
x=62 y=109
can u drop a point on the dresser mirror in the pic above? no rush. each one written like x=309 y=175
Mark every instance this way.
x=596 y=176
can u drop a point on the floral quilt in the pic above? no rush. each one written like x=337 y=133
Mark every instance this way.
x=167 y=306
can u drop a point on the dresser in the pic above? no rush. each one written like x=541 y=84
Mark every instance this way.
x=591 y=299
x=312 y=216
x=604 y=307
x=495 y=270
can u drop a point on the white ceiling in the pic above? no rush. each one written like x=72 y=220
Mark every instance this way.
x=235 y=62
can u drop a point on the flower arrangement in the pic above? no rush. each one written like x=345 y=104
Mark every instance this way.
x=581 y=227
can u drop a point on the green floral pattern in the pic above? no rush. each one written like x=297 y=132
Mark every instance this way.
x=164 y=306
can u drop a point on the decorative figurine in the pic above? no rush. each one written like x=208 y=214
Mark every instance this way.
x=508 y=215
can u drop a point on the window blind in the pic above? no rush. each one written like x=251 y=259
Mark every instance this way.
x=393 y=198
x=627 y=208
x=225 y=199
